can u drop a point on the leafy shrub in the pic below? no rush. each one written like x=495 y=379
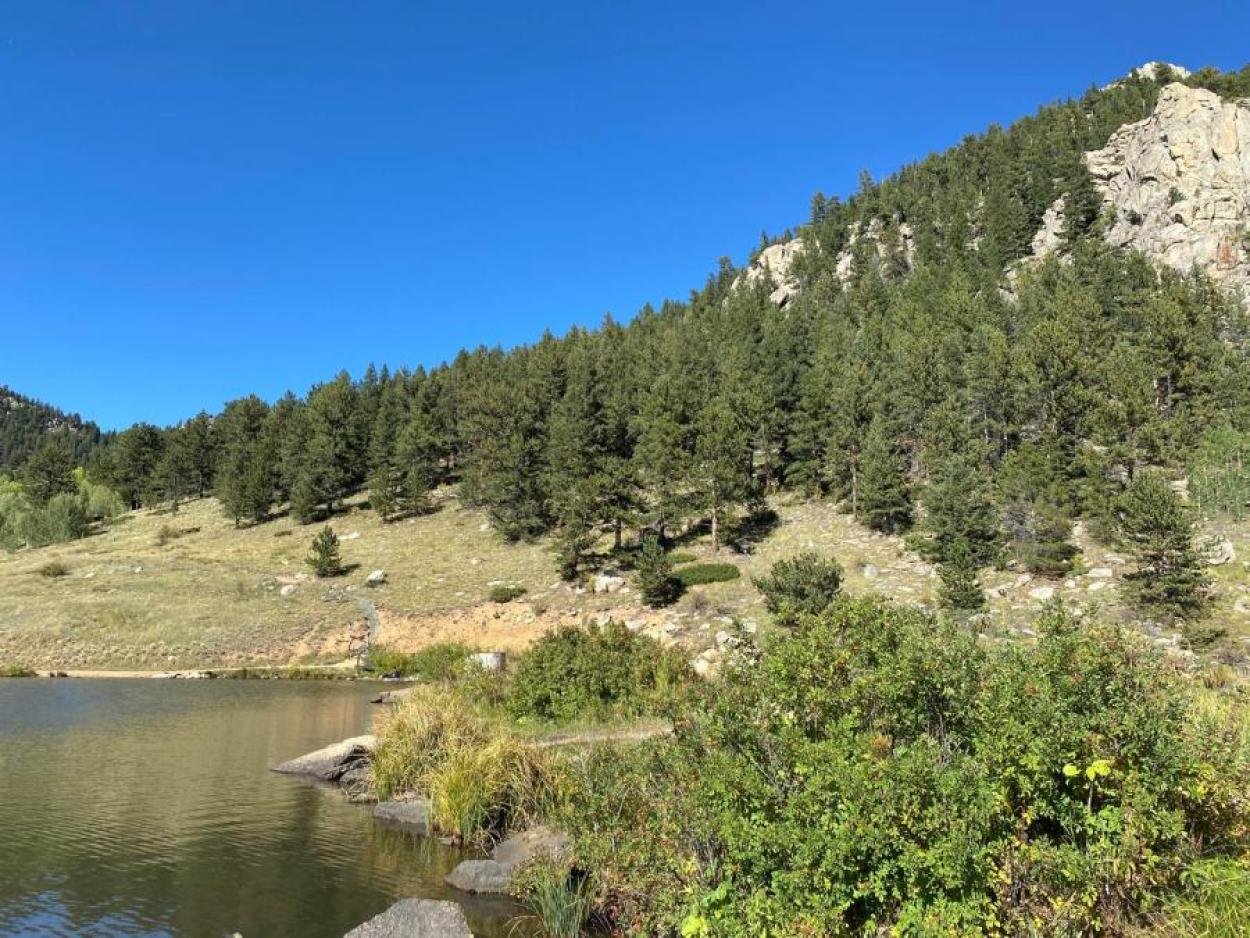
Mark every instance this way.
x=1219 y=478
x=505 y=594
x=574 y=674
x=681 y=556
x=442 y=661
x=928 y=784
x=54 y=569
x=803 y=585
x=702 y=573
x=16 y=670
x=653 y=573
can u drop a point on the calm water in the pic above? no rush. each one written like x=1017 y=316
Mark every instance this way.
x=145 y=807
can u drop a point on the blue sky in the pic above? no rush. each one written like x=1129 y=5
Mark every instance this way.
x=203 y=199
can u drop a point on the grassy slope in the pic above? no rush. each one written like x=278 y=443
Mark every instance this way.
x=213 y=596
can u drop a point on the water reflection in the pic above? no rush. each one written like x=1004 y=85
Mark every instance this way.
x=146 y=808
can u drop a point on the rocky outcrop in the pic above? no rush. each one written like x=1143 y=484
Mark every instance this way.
x=416 y=918
x=495 y=874
x=876 y=245
x=774 y=267
x=341 y=762
x=1176 y=187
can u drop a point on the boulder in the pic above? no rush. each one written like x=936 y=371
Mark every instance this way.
x=376 y=578
x=412 y=815
x=608 y=583
x=416 y=918
x=288 y=591
x=495 y=874
x=1042 y=593
x=1217 y=551
x=339 y=762
x=492 y=661
x=1099 y=573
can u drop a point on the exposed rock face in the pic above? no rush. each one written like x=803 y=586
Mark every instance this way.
x=774 y=266
x=416 y=918
x=1176 y=187
x=495 y=874
x=880 y=244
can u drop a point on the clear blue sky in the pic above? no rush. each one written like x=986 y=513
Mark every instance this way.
x=203 y=199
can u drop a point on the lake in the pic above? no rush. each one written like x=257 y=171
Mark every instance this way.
x=146 y=807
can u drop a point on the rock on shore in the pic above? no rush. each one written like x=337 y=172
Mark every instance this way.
x=340 y=762
x=416 y=918
x=495 y=875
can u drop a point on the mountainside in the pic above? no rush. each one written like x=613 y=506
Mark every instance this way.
x=25 y=423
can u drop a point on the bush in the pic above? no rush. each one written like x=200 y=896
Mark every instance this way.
x=442 y=661
x=681 y=556
x=54 y=569
x=702 y=573
x=926 y=782
x=505 y=594
x=325 y=559
x=798 y=586
x=16 y=670
x=573 y=674
x=653 y=574
x=558 y=899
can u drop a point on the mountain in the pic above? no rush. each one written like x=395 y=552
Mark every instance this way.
x=26 y=423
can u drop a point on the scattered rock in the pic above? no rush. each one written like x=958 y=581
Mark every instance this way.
x=333 y=763
x=1099 y=573
x=1042 y=593
x=376 y=578
x=412 y=815
x=494 y=875
x=1097 y=585
x=391 y=696
x=870 y=571
x=416 y=918
x=288 y=591
x=354 y=535
x=608 y=583
x=1217 y=551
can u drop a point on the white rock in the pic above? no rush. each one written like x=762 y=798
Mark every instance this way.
x=608 y=583
x=289 y=590
x=376 y=578
x=1096 y=585
x=1099 y=573
x=1042 y=593
x=870 y=571
x=354 y=535
x=1217 y=551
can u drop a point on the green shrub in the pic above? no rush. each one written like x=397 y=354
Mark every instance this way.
x=1219 y=477
x=54 y=569
x=16 y=670
x=575 y=674
x=803 y=585
x=653 y=574
x=681 y=556
x=442 y=661
x=702 y=573
x=928 y=784
x=505 y=594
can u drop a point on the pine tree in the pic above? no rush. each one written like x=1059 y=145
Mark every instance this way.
x=245 y=472
x=958 y=507
x=49 y=472
x=960 y=589
x=324 y=557
x=653 y=570
x=1158 y=528
x=884 y=497
x=722 y=463
x=333 y=463
x=387 y=478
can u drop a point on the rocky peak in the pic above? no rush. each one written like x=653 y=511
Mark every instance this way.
x=1176 y=186
x=774 y=266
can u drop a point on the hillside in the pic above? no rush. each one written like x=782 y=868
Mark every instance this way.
x=26 y=423
x=975 y=369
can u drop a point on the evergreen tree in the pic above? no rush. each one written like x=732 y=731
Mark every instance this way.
x=49 y=472
x=958 y=508
x=334 y=460
x=387 y=481
x=653 y=571
x=722 y=463
x=1158 y=528
x=133 y=458
x=884 y=497
x=245 y=472
x=324 y=557
x=960 y=589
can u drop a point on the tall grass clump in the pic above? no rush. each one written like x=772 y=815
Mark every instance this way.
x=480 y=778
x=559 y=900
